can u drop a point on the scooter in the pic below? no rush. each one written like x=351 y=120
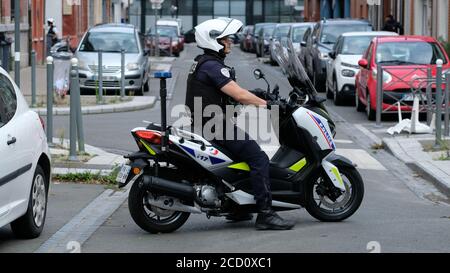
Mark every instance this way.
x=176 y=173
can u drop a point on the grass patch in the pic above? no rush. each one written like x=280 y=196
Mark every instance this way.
x=377 y=146
x=89 y=178
x=429 y=146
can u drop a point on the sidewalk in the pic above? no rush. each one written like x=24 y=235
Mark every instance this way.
x=415 y=151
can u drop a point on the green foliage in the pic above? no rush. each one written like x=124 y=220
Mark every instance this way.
x=445 y=44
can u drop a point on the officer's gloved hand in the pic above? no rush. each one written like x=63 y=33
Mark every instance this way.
x=259 y=93
x=276 y=103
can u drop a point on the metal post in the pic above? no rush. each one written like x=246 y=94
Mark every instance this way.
x=33 y=78
x=447 y=114
x=163 y=94
x=429 y=96
x=50 y=100
x=17 y=41
x=170 y=47
x=379 y=96
x=79 y=113
x=100 y=77
x=73 y=111
x=439 y=63
x=122 y=74
x=156 y=33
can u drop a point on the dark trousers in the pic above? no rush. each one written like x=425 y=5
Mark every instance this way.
x=247 y=150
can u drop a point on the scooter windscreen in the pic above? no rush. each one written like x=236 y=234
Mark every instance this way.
x=293 y=68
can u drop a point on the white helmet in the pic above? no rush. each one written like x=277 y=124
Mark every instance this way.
x=51 y=20
x=208 y=32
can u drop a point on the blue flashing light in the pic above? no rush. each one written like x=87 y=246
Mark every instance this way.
x=163 y=74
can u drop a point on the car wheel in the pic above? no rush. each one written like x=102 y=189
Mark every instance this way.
x=30 y=225
x=328 y=91
x=146 y=86
x=177 y=54
x=358 y=103
x=371 y=114
x=337 y=98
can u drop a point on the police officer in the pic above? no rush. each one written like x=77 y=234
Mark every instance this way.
x=52 y=35
x=214 y=82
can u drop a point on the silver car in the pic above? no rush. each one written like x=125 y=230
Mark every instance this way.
x=111 y=39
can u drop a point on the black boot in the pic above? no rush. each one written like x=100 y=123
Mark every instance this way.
x=268 y=219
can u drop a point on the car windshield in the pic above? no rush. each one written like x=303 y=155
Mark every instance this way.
x=268 y=31
x=166 y=31
x=330 y=33
x=356 y=45
x=397 y=53
x=282 y=32
x=298 y=33
x=109 y=42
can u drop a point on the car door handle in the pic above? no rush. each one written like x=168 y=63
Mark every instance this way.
x=11 y=141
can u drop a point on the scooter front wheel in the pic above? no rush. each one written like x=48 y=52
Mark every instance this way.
x=150 y=218
x=324 y=204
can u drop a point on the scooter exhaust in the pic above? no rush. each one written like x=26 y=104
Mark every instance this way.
x=170 y=188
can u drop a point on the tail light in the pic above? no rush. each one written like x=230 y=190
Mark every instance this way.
x=150 y=136
x=42 y=123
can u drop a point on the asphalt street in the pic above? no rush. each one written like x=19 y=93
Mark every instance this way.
x=400 y=212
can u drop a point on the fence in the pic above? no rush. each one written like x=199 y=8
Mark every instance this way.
x=430 y=85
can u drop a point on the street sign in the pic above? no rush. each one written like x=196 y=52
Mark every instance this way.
x=156 y=4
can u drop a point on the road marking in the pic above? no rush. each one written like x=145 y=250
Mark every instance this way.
x=362 y=159
x=343 y=141
x=369 y=134
x=83 y=225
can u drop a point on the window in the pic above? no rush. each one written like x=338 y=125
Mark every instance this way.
x=8 y=100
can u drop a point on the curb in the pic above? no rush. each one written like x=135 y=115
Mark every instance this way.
x=419 y=167
x=134 y=105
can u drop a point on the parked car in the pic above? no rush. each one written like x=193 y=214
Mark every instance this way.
x=264 y=37
x=25 y=169
x=189 y=36
x=320 y=42
x=255 y=35
x=175 y=24
x=343 y=63
x=297 y=33
x=280 y=31
x=248 y=38
x=242 y=35
x=111 y=39
x=405 y=59
x=168 y=41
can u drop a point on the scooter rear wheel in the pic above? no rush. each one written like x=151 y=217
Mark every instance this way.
x=320 y=206
x=149 y=218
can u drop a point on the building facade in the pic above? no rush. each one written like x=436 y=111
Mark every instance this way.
x=194 y=12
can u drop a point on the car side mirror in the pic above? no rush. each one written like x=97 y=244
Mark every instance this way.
x=258 y=74
x=332 y=54
x=363 y=63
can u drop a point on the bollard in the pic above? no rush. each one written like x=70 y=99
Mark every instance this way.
x=163 y=94
x=73 y=111
x=33 y=78
x=100 y=77
x=79 y=113
x=379 y=96
x=429 y=96
x=170 y=47
x=439 y=63
x=447 y=110
x=122 y=74
x=50 y=100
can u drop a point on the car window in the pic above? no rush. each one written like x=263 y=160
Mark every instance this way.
x=397 y=53
x=282 y=31
x=298 y=34
x=110 y=42
x=8 y=100
x=355 y=45
x=330 y=33
x=306 y=36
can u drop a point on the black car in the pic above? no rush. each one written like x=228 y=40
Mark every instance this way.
x=264 y=36
x=319 y=42
x=255 y=35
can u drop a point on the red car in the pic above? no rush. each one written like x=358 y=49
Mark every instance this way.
x=405 y=60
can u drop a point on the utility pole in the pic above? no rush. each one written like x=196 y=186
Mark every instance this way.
x=17 y=42
x=143 y=16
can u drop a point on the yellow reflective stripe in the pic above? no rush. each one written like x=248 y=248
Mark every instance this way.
x=150 y=150
x=299 y=165
x=338 y=175
x=240 y=166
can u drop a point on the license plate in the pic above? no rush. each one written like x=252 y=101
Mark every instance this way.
x=105 y=78
x=123 y=174
x=410 y=97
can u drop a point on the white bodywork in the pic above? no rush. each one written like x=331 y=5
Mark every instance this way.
x=30 y=145
x=349 y=62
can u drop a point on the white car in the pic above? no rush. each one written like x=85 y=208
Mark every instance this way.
x=342 y=65
x=25 y=167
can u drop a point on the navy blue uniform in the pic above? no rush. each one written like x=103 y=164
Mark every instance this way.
x=208 y=75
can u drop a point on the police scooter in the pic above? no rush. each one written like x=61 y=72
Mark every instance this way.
x=176 y=173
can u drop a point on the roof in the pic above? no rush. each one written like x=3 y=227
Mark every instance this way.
x=369 y=33
x=345 y=21
x=407 y=38
x=308 y=24
x=113 y=27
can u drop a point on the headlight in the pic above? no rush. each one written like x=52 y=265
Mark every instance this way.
x=348 y=73
x=387 y=78
x=174 y=43
x=132 y=66
x=350 y=65
x=323 y=56
x=82 y=65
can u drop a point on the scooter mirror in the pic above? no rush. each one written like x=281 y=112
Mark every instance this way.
x=258 y=74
